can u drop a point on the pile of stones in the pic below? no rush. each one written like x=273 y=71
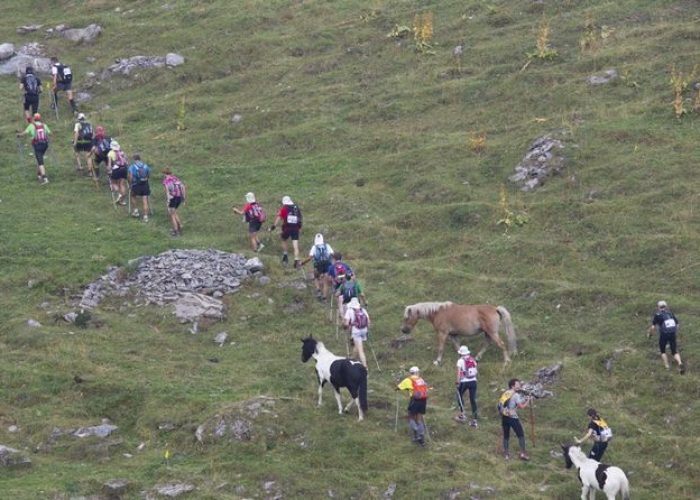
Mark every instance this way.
x=192 y=280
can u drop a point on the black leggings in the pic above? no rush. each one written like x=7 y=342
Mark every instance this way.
x=461 y=389
x=667 y=338
x=597 y=451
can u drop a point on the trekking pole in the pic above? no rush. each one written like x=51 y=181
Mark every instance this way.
x=532 y=425
x=336 y=323
x=374 y=355
x=20 y=153
x=55 y=103
x=427 y=432
x=460 y=400
x=330 y=309
x=396 y=419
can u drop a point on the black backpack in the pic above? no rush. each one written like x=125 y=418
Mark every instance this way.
x=294 y=216
x=103 y=147
x=31 y=84
x=85 y=132
x=65 y=75
x=668 y=323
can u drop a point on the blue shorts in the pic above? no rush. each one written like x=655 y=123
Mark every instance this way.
x=254 y=226
x=174 y=202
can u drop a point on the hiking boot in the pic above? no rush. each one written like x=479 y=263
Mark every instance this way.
x=173 y=232
x=461 y=419
x=506 y=456
x=285 y=259
x=260 y=247
x=524 y=456
x=145 y=218
x=297 y=263
x=473 y=423
x=45 y=180
x=681 y=369
x=135 y=214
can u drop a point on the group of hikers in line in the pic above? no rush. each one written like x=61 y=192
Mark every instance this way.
x=331 y=274
x=93 y=148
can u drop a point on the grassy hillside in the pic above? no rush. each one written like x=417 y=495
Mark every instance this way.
x=371 y=138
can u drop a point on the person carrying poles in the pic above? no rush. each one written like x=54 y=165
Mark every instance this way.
x=321 y=253
x=667 y=325
x=139 y=173
x=175 y=194
x=417 y=403
x=117 y=166
x=466 y=380
x=30 y=84
x=101 y=146
x=82 y=142
x=62 y=80
x=39 y=132
x=291 y=218
x=508 y=405
x=358 y=322
x=255 y=216
x=599 y=432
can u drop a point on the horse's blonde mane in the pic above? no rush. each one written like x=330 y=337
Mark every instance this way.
x=423 y=309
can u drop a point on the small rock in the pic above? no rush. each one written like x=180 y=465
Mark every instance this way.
x=12 y=429
x=221 y=338
x=33 y=323
x=236 y=118
x=264 y=280
x=174 y=489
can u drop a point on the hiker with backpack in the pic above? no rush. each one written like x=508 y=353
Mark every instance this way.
x=117 y=166
x=62 y=80
x=357 y=321
x=175 y=194
x=101 y=146
x=30 y=84
x=291 y=219
x=348 y=289
x=139 y=173
x=254 y=214
x=417 y=403
x=338 y=270
x=82 y=142
x=508 y=404
x=599 y=432
x=667 y=325
x=39 y=132
x=321 y=253
x=466 y=380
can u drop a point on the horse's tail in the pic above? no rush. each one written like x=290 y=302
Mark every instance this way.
x=625 y=487
x=510 y=331
x=362 y=391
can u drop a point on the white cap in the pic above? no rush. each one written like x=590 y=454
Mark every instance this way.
x=463 y=350
x=354 y=303
x=114 y=145
x=414 y=369
x=250 y=197
x=81 y=116
x=286 y=200
x=318 y=239
x=661 y=303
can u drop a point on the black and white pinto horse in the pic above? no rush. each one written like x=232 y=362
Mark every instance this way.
x=595 y=476
x=340 y=372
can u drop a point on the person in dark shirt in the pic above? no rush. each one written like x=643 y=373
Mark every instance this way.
x=666 y=324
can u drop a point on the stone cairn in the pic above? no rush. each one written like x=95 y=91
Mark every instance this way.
x=192 y=280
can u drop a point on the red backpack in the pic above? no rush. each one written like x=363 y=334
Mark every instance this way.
x=361 y=320
x=258 y=213
x=420 y=388
x=40 y=135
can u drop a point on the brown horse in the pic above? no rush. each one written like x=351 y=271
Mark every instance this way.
x=455 y=320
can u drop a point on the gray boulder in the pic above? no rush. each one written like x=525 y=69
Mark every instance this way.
x=540 y=162
x=7 y=50
x=102 y=430
x=87 y=34
x=28 y=28
x=9 y=457
x=173 y=59
x=174 y=489
x=606 y=76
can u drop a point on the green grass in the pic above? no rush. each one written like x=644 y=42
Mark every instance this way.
x=371 y=139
